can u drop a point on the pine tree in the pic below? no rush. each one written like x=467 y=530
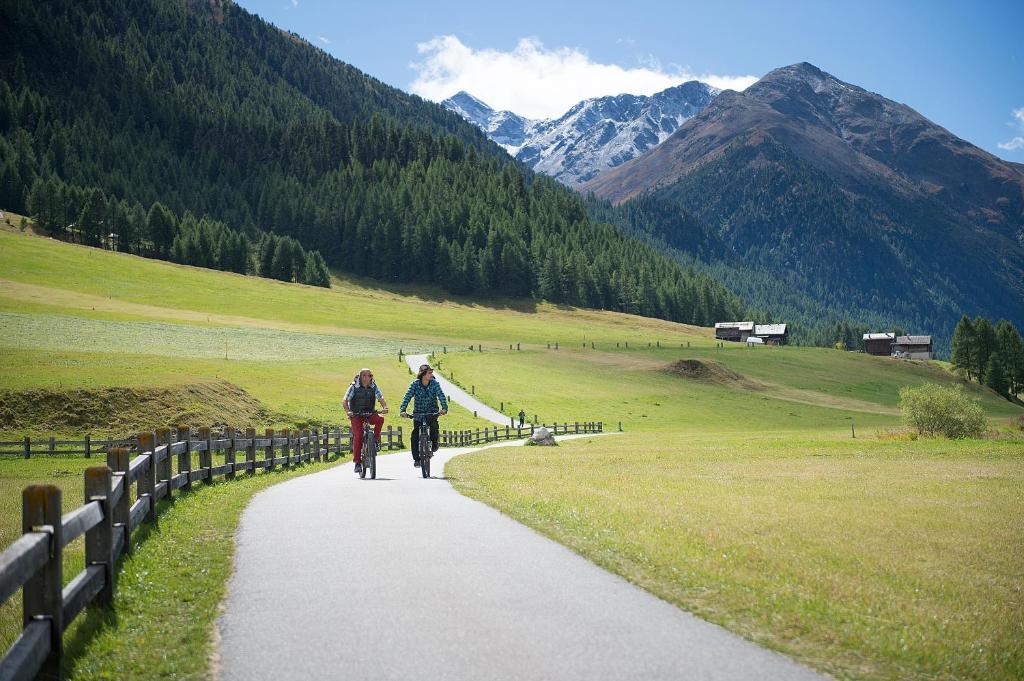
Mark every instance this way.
x=965 y=347
x=995 y=377
x=162 y=226
x=1011 y=354
x=985 y=340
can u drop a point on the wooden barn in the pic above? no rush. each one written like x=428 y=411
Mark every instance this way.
x=879 y=344
x=737 y=332
x=772 y=334
x=913 y=347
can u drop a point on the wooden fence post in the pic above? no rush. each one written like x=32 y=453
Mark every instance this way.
x=99 y=541
x=28 y=447
x=206 y=456
x=163 y=436
x=146 y=484
x=268 y=453
x=52 y=449
x=117 y=461
x=185 y=455
x=250 y=451
x=42 y=595
x=229 y=453
x=305 y=448
x=337 y=441
x=287 y=434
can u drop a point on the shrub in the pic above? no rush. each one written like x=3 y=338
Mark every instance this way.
x=935 y=410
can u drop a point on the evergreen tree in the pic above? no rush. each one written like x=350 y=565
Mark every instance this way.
x=985 y=341
x=161 y=226
x=1011 y=354
x=995 y=376
x=965 y=348
x=316 y=273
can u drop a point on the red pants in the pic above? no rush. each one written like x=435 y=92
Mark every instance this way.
x=357 y=434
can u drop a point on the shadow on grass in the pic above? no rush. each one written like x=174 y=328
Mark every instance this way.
x=434 y=294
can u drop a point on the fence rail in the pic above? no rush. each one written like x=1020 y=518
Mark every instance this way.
x=466 y=438
x=28 y=447
x=120 y=496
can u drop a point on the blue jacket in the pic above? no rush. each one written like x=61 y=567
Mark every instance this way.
x=426 y=396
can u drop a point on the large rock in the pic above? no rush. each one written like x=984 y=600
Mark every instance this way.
x=542 y=436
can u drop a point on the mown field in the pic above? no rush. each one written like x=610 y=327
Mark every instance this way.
x=736 y=490
x=867 y=558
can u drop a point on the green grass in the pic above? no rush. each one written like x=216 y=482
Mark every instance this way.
x=58 y=332
x=169 y=589
x=40 y=271
x=738 y=494
x=798 y=388
x=866 y=559
x=15 y=475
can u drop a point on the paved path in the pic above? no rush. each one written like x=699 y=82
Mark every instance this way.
x=404 y=578
x=460 y=396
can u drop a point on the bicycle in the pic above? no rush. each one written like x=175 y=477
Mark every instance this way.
x=369 y=449
x=426 y=450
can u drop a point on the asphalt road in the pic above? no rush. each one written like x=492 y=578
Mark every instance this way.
x=404 y=578
x=458 y=395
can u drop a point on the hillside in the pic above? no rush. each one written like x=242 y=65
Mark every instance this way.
x=117 y=107
x=140 y=324
x=841 y=194
x=757 y=440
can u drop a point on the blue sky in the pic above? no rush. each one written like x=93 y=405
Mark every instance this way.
x=959 y=64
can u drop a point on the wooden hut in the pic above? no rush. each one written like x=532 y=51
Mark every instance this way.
x=913 y=347
x=772 y=334
x=879 y=344
x=734 y=331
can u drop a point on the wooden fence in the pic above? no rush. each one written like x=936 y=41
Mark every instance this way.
x=119 y=497
x=466 y=438
x=51 y=446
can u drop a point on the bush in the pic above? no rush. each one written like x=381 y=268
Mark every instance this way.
x=935 y=410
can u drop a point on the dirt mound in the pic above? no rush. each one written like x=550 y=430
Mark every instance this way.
x=124 y=410
x=711 y=371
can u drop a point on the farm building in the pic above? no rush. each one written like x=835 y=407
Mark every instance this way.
x=734 y=331
x=879 y=344
x=913 y=347
x=739 y=332
x=772 y=334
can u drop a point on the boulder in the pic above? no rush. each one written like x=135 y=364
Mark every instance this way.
x=542 y=436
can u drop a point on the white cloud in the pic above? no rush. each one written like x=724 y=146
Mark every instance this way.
x=324 y=40
x=1018 y=141
x=538 y=82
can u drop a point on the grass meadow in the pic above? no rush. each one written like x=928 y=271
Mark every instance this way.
x=736 y=491
x=867 y=558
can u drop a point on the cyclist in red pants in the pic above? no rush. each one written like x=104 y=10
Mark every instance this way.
x=360 y=398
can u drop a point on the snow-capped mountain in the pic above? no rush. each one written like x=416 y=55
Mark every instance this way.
x=592 y=136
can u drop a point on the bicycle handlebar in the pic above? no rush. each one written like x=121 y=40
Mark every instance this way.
x=364 y=414
x=412 y=416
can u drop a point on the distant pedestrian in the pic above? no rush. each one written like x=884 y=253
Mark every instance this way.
x=522 y=417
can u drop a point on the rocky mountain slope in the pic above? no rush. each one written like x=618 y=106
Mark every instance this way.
x=860 y=201
x=594 y=135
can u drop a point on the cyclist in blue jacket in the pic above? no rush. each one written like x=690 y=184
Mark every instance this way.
x=427 y=393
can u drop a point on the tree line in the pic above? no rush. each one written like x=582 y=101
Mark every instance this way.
x=992 y=355
x=88 y=216
x=226 y=117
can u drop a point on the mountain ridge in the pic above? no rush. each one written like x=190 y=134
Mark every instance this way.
x=864 y=201
x=593 y=135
